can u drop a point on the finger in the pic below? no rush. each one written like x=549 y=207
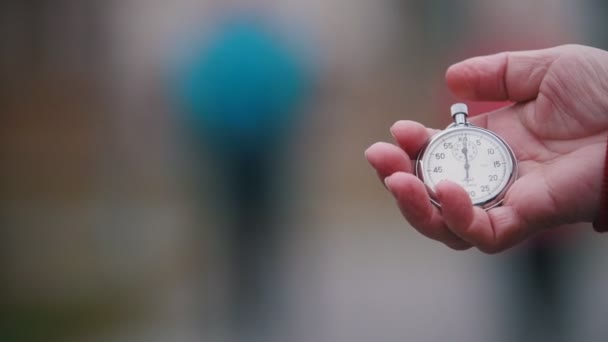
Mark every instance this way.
x=491 y=231
x=415 y=205
x=387 y=159
x=514 y=76
x=411 y=135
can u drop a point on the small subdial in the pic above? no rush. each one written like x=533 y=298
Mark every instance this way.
x=465 y=150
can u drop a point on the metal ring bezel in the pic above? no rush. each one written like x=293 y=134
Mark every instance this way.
x=488 y=204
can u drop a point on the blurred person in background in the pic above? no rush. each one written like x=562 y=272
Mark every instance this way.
x=241 y=88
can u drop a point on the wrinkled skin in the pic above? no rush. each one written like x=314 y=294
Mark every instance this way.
x=557 y=128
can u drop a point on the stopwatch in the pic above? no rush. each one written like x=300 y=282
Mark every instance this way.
x=475 y=158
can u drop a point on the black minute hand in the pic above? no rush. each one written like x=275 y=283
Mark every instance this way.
x=465 y=151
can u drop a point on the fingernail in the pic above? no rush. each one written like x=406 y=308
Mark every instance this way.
x=387 y=182
x=392 y=129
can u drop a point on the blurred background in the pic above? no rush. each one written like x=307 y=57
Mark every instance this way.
x=193 y=171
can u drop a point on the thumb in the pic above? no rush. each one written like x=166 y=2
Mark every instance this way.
x=512 y=76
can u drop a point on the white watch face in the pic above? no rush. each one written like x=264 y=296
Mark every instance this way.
x=475 y=158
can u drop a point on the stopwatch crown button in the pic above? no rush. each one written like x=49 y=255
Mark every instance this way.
x=459 y=108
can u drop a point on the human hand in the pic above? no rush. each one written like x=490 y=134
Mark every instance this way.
x=556 y=127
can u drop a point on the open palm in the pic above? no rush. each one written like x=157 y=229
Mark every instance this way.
x=556 y=127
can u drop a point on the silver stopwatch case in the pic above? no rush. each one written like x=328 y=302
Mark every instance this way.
x=473 y=157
